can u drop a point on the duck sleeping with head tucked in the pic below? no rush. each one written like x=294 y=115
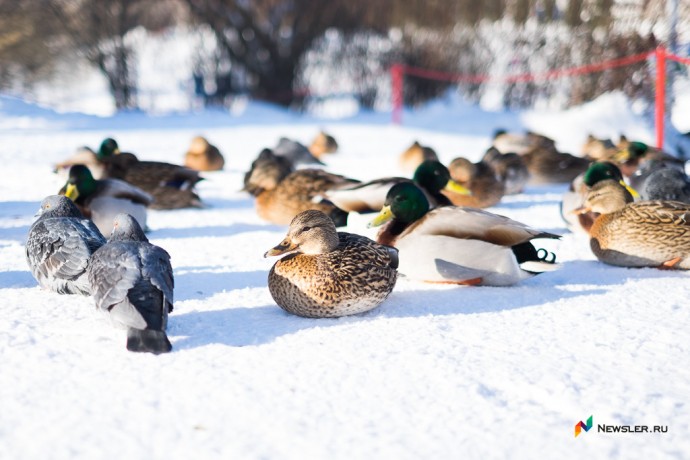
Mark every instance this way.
x=326 y=273
x=458 y=245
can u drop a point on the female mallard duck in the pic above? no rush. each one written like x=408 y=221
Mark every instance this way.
x=327 y=273
x=102 y=200
x=431 y=176
x=576 y=195
x=415 y=155
x=203 y=156
x=170 y=185
x=279 y=199
x=641 y=234
x=549 y=166
x=458 y=245
x=322 y=144
x=506 y=142
x=485 y=188
x=510 y=169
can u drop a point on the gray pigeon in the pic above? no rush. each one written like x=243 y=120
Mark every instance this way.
x=295 y=152
x=666 y=183
x=132 y=281
x=59 y=246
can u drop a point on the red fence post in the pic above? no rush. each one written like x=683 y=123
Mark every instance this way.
x=660 y=96
x=397 y=92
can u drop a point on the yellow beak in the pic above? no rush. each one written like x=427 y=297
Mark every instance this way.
x=383 y=216
x=632 y=191
x=284 y=247
x=453 y=186
x=72 y=192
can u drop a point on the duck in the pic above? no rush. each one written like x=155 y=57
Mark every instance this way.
x=549 y=166
x=638 y=234
x=60 y=245
x=510 y=169
x=266 y=171
x=203 y=156
x=101 y=200
x=132 y=282
x=458 y=245
x=506 y=142
x=431 y=176
x=596 y=149
x=172 y=186
x=323 y=144
x=83 y=156
x=632 y=155
x=296 y=152
x=327 y=274
x=575 y=196
x=278 y=200
x=415 y=155
x=485 y=188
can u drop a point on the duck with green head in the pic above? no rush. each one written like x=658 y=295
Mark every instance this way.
x=458 y=245
x=637 y=234
x=574 y=198
x=431 y=176
x=101 y=200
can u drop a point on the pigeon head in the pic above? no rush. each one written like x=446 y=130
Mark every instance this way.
x=58 y=206
x=126 y=228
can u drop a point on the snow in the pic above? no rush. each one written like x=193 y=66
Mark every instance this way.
x=434 y=372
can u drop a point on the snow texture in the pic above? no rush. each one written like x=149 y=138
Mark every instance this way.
x=434 y=372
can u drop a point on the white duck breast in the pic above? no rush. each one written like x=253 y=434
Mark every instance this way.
x=118 y=197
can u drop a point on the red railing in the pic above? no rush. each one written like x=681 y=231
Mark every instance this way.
x=398 y=72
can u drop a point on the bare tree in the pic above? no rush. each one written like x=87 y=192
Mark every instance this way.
x=98 y=31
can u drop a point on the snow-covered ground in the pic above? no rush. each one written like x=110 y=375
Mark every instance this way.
x=435 y=372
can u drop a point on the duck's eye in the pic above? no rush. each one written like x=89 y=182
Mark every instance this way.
x=306 y=229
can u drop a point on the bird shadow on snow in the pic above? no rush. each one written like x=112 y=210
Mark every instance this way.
x=202 y=283
x=16 y=279
x=210 y=231
x=15 y=233
x=245 y=326
x=222 y=203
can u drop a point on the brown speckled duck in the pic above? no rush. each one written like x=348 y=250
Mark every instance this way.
x=323 y=144
x=486 y=189
x=328 y=274
x=415 y=155
x=641 y=234
x=203 y=156
x=279 y=197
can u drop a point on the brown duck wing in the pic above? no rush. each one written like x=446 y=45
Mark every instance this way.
x=659 y=213
x=311 y=182
x=471 y=223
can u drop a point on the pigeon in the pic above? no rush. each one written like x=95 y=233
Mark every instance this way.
x=60 y=245
x=132 y=281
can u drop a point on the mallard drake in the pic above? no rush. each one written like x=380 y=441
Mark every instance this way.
x=510 y=169
x=170 y=185
x=632 y=155
x=641 y=234
x=548 y=166
x=60 y=245
x=506 y=142
x=322 y=144
x=458 y=245
x=576 y=195
x=326 y=273
x=415 y=155
x=83 y=156
x=101 y=200
x=280 y=200
x=203 y=156
x=431 y=176
x=485 y=188
x=294 y=151
x=132 y=282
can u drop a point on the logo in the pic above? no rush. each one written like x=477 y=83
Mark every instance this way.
x=579 y=426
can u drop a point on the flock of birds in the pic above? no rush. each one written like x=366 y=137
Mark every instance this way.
x=632 y=200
